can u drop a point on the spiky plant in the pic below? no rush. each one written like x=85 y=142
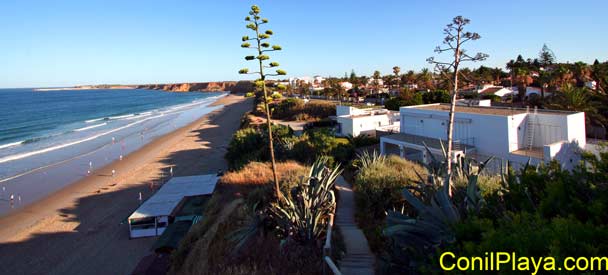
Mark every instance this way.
x=366 y=159
x=436 y=210
x=302 y=215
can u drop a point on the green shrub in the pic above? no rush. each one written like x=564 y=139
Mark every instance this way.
x=295 y=109
x=378 y=189
x=396 y=102
x=246 y=146
x=494 y=98
x=364 y=141
x=313 y=144
x=251 y=144
x=438 y=96
x=276 y=96
x=530 y=235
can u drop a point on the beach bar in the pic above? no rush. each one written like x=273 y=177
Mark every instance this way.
x=156 y=213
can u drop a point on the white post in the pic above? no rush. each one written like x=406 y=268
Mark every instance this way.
x=401 y=151
x=382 y=145
x=155 y=226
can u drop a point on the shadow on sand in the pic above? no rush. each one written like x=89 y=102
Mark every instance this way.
x=94 y=237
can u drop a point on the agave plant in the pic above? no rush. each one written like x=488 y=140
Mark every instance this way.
x=367 y=159
x=469 y=170
x=435 y=209
x=302 y=215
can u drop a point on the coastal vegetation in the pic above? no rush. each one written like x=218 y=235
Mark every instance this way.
x=279 y=192
x=262 y=47
x=536 y=211
x=295 y=109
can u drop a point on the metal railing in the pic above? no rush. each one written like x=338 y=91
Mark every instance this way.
x=331 y=265
x=327 y=249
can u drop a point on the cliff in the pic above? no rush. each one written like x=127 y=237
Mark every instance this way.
x=232 y=86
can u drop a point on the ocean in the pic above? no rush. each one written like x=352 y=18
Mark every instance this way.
x=43 y=131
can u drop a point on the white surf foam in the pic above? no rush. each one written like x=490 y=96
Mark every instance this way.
x=95 y=120
x=11 y=144
x=123 y=116
x=53 y=148
x=90 y=127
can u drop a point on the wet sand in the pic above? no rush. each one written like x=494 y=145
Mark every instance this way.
x=78 y=229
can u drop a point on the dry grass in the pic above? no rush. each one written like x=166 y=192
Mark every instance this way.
x=258 y=173
x=206 y=249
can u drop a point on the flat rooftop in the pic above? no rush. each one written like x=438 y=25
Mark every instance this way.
x=484 y=110
x=167 y=198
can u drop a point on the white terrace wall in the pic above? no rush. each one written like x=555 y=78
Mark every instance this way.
x=368 y=124
x=488 y=133
x=517 y=130
x=343 y=110
x=576 y=129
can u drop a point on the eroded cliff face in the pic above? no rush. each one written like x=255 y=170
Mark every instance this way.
x=232 y=86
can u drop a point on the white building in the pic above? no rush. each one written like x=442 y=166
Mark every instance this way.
x=354 y=122
x=156 y=213
x=346 y=85
x=479 y=132
x=495 y=90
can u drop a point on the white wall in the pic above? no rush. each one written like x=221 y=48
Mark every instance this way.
x=576 y=129
x=488 y=133
x=357 y=125
x=346 y=125
x=517 y=130
x=497 y=135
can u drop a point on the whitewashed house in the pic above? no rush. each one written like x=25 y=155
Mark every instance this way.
x=516 y=135
x=354 y=121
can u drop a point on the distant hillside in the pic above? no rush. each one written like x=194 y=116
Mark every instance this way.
x=232 y=86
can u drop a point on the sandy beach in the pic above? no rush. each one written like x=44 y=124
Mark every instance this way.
x=78 y=230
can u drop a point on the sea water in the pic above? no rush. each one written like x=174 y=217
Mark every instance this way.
x=42 y=133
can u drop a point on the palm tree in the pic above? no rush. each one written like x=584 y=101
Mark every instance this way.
x=523 y=79
x=425 y=79
x=573 y=99
x=562 y=76
x=599 y=73
x=376 y=77
x=581 y=72
x=409 y=77
x=578 y=99
x=396 y=71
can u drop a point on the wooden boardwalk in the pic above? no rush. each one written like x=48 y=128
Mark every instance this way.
x=358 y=259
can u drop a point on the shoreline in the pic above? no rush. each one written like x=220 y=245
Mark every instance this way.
x=68 y=159
x=99 y=202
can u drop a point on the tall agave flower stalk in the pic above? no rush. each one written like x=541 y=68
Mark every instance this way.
x=302 y=216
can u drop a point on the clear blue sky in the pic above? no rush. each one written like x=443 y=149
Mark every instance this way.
x=61 y=43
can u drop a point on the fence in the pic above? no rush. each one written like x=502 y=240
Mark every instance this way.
x=329 y=263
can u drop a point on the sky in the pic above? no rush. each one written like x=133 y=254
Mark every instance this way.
x=53 y=43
